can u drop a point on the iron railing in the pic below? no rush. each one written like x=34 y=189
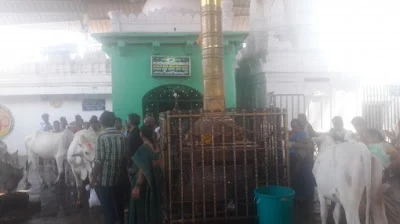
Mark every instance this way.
x=381 y=106
x=212 y=164
x=295 y=104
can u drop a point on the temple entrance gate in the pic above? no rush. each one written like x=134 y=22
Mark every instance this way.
x=170 y=97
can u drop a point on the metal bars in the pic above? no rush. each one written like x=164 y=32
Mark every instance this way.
x=294 y=104
x=211 y=173
x=381 y=106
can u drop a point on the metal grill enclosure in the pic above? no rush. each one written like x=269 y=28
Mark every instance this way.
x=212 y=164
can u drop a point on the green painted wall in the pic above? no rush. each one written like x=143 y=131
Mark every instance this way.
x=131 y=53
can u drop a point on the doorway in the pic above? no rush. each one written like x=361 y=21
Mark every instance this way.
x=170 y=97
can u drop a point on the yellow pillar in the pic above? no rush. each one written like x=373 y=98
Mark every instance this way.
x=212 y=52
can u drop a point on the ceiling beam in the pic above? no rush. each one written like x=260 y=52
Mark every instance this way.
x=14 y=12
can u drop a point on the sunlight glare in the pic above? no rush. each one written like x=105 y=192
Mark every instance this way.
x=361 y=37
x=21 y=46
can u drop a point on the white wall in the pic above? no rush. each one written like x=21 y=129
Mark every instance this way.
x=60 y=75
x=324 y=100
x=27 y=112
x=289 y=43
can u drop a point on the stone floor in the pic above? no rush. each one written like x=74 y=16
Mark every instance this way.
x=57 y=204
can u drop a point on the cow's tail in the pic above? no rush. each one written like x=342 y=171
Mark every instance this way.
x=367 y=158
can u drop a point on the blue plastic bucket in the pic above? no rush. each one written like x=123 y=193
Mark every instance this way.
x=274 y=204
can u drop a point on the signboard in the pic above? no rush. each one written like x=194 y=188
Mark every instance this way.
x=94 y=104
x=170 y=66
x=6 y=122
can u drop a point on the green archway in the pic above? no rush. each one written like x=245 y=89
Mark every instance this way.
x=169 y=97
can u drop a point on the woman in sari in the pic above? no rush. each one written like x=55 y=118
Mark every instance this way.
x=146 y=202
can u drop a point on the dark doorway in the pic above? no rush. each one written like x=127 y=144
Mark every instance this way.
x=167 y=97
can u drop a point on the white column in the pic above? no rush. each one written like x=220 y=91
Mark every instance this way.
x=227 y=14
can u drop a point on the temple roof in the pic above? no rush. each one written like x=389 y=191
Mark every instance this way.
x=82 y=15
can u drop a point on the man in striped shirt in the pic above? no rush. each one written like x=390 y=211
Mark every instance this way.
x=109 y=170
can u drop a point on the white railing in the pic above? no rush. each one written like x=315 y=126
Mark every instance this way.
x=90 y=72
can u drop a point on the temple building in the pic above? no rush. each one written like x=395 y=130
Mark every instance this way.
x=156 y=58
x=223 y=79
x=276 y=53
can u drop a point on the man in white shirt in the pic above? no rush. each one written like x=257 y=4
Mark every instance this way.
x=338 y=133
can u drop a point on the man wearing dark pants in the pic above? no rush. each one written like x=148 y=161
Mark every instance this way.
x=109 y=170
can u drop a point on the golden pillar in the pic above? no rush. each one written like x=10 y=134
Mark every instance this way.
x=212 y=52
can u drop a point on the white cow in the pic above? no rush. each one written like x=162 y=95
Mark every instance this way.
x=81 y=156
x=47 y=145
x=342 y=173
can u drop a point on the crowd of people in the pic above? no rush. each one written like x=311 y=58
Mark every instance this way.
x=302 y=148
x=126 y=176
x=60 y=125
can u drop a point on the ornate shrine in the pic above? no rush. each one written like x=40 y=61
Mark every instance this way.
x=213 y=157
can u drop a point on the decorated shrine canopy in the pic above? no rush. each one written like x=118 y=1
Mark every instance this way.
x=6 y=122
